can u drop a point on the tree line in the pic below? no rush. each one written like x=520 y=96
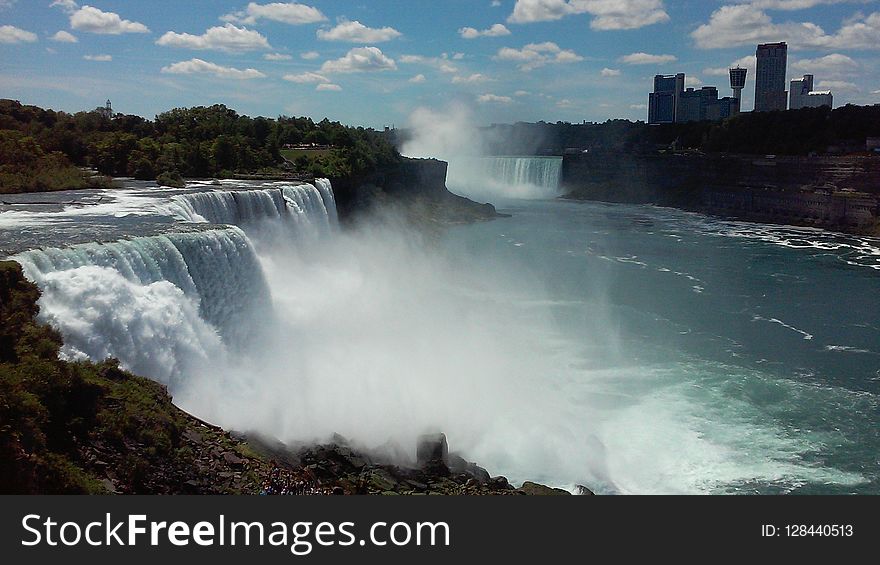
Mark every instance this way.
x=794 y=132
x=198 y=142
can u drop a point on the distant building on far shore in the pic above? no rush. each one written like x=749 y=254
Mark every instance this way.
x=803 y=95
x=106 y=111
x=664 y=102
x=704 y=104
x=770 y=94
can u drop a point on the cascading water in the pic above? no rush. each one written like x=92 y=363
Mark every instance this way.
x=506 y=177
x=169 y=306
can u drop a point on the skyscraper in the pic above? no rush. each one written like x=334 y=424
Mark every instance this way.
x=663 y=103
x=770 y=94
x=800 y=89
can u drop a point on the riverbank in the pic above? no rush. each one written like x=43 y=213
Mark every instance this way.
x=834 y=193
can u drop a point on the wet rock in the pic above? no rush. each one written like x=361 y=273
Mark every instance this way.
x=432 y=448
x=535 y=489
x=581 y=490
x=380 y=480
x=233 y=459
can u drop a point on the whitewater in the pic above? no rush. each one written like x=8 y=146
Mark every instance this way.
x=623 y=348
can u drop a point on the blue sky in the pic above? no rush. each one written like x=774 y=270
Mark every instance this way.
x=373 y=62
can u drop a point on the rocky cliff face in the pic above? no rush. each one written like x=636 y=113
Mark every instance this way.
x=419 y=185
x=841 y=193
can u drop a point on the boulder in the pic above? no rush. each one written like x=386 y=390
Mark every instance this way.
x=581 y=490
x=535 y=489
x=432 y=448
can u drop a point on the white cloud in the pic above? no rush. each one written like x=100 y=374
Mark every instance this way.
x=198 y=66
x=693 y=81
x=98 y=58
x=496 y=3
x=647 y=59
x=497 y=30
x=521 y=93
x=441 y=63
x=837 y=86
x=536 y=55
x=328 y=87
x=12 y=34
x=227 y=38
x=68 y=6
x=418 y=79
x=356 y=32
x=310 y=55
x=566 y=103
x=494 y=99
x=748 y=24
x=472 y=79
x=834 y=64
x=748 y=62
x=607 y=14
x=638 y=106
x=790 y=4
x=307 y=78
x=93 y=20
x=360 y=59
x=284 y=12
x=876 y=92
x=64 y=37
x=7 y=4
x=606 y=72
x=277 y=57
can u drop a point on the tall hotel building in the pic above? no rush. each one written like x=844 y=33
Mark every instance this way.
x=770 y=93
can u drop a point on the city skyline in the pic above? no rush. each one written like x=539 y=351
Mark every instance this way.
x=507 y=60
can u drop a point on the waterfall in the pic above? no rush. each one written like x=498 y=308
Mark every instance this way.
x=506 y=177
x=158 y=304
x=302 y=207
x=180 y=304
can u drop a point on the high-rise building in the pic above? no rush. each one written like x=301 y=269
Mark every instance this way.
x=803 y=95
x=800 y=89
x=737 y=84
x=770 y=94
x=663 y=103
x=704 y=104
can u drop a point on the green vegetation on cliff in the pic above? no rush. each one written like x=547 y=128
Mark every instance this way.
x=40 y=146
x=77 y=428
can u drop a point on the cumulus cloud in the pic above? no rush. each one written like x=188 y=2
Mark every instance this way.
x=277 y=57
x=472 y=79
x=356 y=32
x=607 y=14
x=494 y=99
x=693 y=81
x=418 y=79
x=98 y=58
x=360 y=59
x=198 y=66
x=310 y=55
x=638 y=106
x=64 y=37
x=307 y=78
x=536 y=55
x=12 y=34
x=835 y=64
x=748 y=62
x=285 y=12
x=324 y=87
x=68 y=6
x=606 y=72
x=641 y=58
x=837 y=86
x=440 y=63
x=93 y=20
x=748 y=24
x=497 y=30
x=227 y=38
